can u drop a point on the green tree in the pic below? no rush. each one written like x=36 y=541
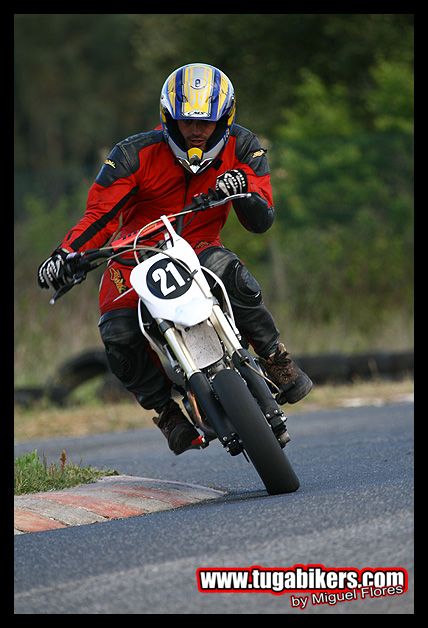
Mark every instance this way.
x=75 y=87
x=328 y=165
x=264 y=54
x=85 y=81
x=345 y=202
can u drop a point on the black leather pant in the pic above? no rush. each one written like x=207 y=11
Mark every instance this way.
x=138 y=367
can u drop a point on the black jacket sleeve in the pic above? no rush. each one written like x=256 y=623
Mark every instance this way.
x=256 y=213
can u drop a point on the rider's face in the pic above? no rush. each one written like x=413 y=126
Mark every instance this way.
x=196 y=133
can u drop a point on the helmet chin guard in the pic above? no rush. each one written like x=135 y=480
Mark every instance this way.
x=197 y=91
x=194 y=156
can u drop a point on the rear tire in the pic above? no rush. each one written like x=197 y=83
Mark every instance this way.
x=259 y=442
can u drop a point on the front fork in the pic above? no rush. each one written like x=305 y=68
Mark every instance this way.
x=247 y=367
x=201 y=389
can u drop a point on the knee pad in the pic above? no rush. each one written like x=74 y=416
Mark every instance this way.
x=247 y=286
x=242 y=287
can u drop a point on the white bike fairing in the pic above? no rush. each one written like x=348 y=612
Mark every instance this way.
x=168 y=290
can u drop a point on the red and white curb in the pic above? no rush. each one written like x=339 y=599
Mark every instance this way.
x=111 y=497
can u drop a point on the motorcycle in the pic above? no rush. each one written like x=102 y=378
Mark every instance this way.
x=185 y=314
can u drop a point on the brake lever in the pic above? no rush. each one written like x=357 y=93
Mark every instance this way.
x=61 y=291
x=205 y=201
x=232 y=197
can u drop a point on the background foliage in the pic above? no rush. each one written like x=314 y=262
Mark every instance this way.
x=329 y=95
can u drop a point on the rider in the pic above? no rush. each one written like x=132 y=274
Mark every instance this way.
x=197 y=148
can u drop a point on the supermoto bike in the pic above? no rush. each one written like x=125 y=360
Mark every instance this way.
x=185 y=314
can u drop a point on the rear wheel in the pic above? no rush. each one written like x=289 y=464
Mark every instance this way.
x=259 y=442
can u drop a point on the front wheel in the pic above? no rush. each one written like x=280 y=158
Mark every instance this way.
x=259 y=442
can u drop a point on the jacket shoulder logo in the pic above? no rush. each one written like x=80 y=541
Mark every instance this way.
x=109 y=162
x=259 y=153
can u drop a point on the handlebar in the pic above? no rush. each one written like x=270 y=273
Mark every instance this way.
x=79 y=264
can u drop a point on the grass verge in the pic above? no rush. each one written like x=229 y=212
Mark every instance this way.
x=44 y=420
x=33 y=474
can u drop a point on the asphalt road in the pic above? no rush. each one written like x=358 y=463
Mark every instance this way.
x=354 y=508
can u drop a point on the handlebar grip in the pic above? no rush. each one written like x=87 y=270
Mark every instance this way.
x=81 y=262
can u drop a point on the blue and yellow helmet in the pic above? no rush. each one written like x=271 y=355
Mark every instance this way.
x=197 y=91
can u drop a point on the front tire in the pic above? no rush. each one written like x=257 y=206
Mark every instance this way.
x=259 y=442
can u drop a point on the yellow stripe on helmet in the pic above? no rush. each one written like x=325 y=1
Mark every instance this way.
x=231 y=115
x=197 y=89
x=223 y=91
x=171 y=92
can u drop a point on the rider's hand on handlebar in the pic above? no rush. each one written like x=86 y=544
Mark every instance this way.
x=231 y=182
x=54 y=272
x=228 y=184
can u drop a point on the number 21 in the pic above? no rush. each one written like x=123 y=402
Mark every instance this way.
x=161 y=275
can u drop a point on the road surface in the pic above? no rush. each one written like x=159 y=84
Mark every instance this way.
x=354 y=509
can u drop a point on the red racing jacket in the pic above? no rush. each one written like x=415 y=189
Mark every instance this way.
x=141 y=180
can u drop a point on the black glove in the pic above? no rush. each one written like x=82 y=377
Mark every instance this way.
x=231 y=182
x=53 y=272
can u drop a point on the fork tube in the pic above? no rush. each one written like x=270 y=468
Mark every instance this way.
x=224 y=330
x=181 y=352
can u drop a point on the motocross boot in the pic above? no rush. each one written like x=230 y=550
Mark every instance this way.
x=293 y=383
x=179 y=432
